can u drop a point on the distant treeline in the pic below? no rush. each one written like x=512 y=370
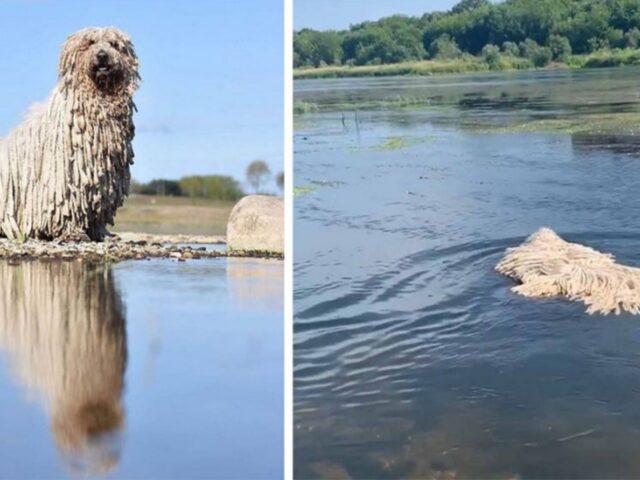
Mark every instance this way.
x=537 y=30
x=215 y=187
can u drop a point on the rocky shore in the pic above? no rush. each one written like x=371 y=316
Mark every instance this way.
x=123 y=247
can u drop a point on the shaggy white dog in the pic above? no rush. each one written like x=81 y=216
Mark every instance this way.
x=65 y=170
x=546 y=265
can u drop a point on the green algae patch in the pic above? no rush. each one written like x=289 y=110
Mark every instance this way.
x=301 y=107
x=399 y=143
x=302 y=191
x=611 y=123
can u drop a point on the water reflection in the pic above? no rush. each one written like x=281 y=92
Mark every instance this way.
x=62 y=326
x=615 y=144
x=256 y=282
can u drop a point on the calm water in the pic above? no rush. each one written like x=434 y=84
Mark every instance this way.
x=412 y=356
x=156 y=369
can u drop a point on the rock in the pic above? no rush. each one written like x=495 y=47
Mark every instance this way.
x=256 y=224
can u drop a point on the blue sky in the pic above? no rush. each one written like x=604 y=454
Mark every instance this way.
x=211 y=98
x=339 y=14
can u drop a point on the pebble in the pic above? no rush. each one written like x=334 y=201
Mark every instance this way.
x=111 y=250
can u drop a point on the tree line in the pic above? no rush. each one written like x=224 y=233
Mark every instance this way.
x=538 y=30
x=213 y=187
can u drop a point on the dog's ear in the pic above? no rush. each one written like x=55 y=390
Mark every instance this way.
x=127 y=48
x=69 y=53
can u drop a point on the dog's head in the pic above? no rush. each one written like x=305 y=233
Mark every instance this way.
x=101 y=58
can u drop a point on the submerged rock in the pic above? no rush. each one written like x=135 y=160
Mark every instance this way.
x=256 y=224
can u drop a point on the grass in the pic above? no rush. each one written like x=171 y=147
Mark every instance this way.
x=426 y=67
x=599 y=59
x=173 y=215
x=606 y=58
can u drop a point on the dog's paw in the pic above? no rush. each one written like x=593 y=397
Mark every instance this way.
x=74 y=237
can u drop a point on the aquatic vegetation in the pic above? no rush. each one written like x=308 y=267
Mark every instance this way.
x=300 y=107
x=620 y=123
x=301 y=191
x=327 y=183
x=393 y=143
x=304 y=190
x=398 y=143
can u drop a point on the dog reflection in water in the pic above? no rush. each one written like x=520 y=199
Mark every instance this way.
x=63 y=327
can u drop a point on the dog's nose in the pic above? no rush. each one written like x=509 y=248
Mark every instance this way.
x=102 y=56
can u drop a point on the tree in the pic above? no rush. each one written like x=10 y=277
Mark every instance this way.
x=314 y=48
x=541 y=56
x=511 y=49
x=214 y=187
x=632 y=38
x=257 y=173
x=466 y=5
x=594 y=44
x=560 y=47
x=161 y=187
x=563 y=26
x=615 y=37
x=444 y=47
x=390 y=40
x=280 y=180
x=491 y=55
x=528 y=47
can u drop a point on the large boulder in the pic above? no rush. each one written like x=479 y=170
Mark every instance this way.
x=256 y=223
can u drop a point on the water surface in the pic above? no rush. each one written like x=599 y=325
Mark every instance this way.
x=412 y=356
x=146 y=369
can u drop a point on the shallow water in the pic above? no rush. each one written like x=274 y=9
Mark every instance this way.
x=146 y=369
x=412 y=356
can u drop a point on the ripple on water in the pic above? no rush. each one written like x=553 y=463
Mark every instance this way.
x=412 y=356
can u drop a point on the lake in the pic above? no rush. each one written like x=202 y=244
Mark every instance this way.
x=413 y=359
x=143 y=369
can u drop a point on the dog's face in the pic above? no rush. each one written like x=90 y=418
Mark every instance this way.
x=101 y=57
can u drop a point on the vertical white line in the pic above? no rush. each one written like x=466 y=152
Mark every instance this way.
x=288 y=261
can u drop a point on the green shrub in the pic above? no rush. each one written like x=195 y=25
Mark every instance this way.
x=541 y=56
x=560 y=47
x=511 y=49
x=301 y=108
x=157 y=187
x=215 y=187
x=632 y=38
x=491 y=55
x=444 y=47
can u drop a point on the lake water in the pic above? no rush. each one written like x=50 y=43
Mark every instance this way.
x=412 y=356
x=149 y=369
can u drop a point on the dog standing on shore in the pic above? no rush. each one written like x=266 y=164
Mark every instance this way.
x=65 y=169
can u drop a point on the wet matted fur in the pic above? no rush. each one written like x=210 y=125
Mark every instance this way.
x=546 y=265
x=65 y=169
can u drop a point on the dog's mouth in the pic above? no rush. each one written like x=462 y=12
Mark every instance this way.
x=106 y=77
x=102 y=70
